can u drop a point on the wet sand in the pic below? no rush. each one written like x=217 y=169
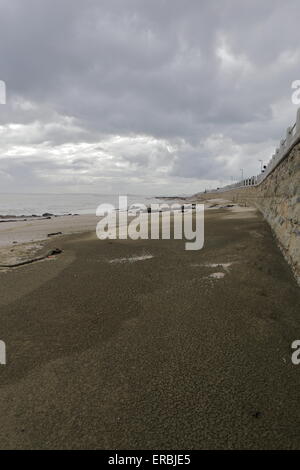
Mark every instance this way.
x=165 y=349
x=24 y=238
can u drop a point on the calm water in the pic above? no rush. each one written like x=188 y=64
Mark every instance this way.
x=28 y=204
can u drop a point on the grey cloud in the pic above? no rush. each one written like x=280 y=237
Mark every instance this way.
x=176 y=72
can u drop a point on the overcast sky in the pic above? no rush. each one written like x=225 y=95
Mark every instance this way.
x=143 y=96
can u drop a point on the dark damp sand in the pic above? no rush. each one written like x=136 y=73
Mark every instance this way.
x=154 y=353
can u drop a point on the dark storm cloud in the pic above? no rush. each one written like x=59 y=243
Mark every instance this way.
x=192 y=90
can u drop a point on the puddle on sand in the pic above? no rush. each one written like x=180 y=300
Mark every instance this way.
x=225 y=266
x=130 y=259
x=217 y=275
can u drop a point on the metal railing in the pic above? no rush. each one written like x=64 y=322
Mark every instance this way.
x=291 y=139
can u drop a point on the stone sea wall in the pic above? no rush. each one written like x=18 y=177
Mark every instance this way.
x=277 y=197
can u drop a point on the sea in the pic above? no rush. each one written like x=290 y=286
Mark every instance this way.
x=59 y=204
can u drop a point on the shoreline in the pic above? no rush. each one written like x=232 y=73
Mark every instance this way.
x=22 y=239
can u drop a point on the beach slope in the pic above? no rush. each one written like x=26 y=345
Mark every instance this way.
x=142 y=345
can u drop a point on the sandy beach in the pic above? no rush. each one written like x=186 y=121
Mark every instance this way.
x=25 y=237
x=150 y=229
x=123 y=344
